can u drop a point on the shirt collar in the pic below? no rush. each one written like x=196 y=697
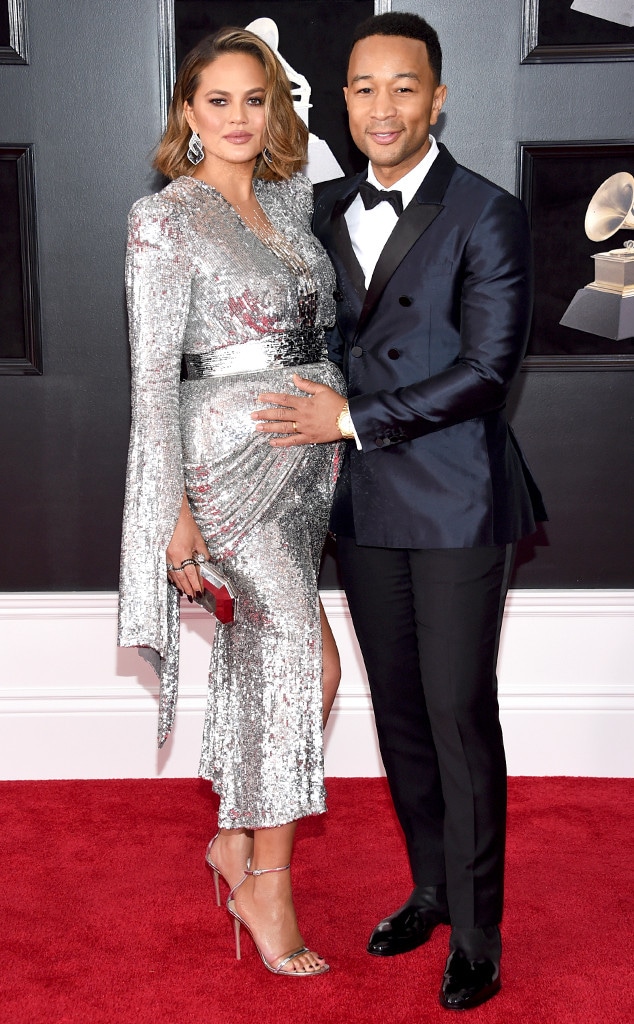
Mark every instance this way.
x=410 y=183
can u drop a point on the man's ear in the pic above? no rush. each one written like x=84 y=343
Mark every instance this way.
x=440 y=95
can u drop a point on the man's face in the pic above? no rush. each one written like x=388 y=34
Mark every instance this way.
x=392 y=99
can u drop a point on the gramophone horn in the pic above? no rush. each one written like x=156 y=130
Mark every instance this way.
x=611 y=207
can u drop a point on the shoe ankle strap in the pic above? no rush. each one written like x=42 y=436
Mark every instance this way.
x=265 y=871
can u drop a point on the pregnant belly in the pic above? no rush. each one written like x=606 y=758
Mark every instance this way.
x=216 y=411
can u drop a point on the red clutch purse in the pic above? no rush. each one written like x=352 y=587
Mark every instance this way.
x=219 y=596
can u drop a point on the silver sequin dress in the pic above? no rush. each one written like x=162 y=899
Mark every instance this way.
x=202 y=285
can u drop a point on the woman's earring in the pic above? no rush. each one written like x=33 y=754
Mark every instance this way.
x=267 y=156
x=195 y=151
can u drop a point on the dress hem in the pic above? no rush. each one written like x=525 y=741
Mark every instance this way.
x=251 y=821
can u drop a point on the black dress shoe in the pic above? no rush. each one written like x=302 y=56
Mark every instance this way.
x=409 y=926
x=468 y=983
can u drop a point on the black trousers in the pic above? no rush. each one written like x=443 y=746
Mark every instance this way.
x=428 y=624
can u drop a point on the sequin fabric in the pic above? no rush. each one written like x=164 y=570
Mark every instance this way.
x=200 y=283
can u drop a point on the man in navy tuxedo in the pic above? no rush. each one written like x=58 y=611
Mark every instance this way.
x=434 y=298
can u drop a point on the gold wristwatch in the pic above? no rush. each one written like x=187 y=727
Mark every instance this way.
x=344 y=422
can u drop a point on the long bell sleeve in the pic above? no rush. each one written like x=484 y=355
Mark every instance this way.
x=158 y=285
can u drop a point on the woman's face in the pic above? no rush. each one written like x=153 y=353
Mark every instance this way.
x=227 y=110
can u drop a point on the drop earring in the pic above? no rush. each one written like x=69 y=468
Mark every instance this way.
x=195 y=151
x=267 y=156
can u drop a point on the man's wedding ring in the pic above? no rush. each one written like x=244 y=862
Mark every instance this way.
x=294 y=426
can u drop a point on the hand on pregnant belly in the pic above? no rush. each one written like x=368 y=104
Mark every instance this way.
x=309 y=420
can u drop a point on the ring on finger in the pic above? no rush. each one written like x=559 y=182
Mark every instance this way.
x=188 y=561
x=179 y=568
x=294 y=426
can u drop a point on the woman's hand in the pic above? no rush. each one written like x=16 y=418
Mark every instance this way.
x=186 y=543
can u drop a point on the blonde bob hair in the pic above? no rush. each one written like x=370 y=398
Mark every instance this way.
x=285 y=134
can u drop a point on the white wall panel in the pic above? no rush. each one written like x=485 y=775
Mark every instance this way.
x=73 y=706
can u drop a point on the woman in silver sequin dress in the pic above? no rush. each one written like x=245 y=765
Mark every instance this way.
x=224 y=275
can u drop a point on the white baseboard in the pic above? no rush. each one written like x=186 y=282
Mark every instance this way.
x=73 y=706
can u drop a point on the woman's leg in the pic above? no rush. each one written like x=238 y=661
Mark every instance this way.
x=331 y=665
x=266 y=901
x=230 y=852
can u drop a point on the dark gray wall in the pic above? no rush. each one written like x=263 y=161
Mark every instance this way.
x=577 y=427
x=89 y=101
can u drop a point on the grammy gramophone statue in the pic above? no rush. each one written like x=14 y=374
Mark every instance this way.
x=321 y=163
x=606 y=305
x=621 y=12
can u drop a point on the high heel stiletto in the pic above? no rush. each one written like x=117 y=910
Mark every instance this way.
x=217 y=873
x=284 y=960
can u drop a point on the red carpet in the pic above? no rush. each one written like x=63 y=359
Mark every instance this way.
x=107 y=913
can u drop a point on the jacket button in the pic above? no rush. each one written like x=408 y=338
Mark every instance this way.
x=337 y=295
x=393 y=353
x=379 y=442
x=405 y=300
x=356 y=350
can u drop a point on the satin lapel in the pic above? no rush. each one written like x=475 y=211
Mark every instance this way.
x=412 y=223
x=342 y=247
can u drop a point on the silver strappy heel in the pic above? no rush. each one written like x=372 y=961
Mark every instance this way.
x=278 y=967
x=217 y=873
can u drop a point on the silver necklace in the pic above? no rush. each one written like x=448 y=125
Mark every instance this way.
x=280 y=246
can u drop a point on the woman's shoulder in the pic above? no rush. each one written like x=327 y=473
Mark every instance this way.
x=301 y=183
x=295 y=192
x=171 y=202
x=301 y=187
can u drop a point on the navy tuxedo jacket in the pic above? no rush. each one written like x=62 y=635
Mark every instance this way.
x=429 y=354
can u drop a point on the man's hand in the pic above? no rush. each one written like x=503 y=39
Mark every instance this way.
x=309 y=420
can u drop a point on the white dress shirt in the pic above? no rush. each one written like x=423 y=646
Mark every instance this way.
x=370 y=229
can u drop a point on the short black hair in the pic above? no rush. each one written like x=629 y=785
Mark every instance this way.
x=411 y=26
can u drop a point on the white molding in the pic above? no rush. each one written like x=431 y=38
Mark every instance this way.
x=570 y=603
x=72 y=705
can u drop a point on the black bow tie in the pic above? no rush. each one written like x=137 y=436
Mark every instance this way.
x=372 y=196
